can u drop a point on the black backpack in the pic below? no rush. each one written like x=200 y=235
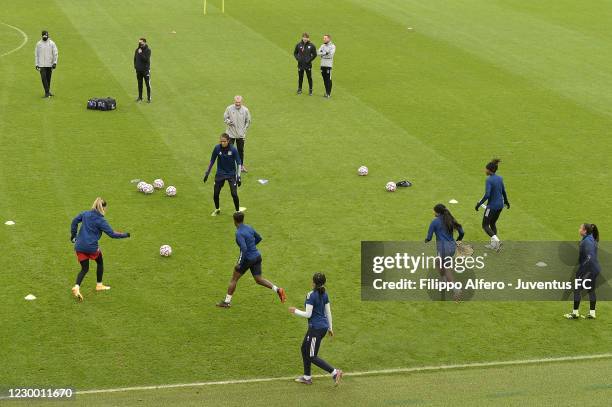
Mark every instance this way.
x=104 y=104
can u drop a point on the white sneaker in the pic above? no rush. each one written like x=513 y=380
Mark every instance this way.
x=216 y=212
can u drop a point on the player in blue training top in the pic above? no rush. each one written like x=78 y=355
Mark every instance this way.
x=588 y=269
x=228 y=169
x=496 y=198
x=444 y=226
x=318 y=312
x=250 y=258
x=85 y=242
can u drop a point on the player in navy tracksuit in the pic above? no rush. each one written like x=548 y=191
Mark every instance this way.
x=85 y=242
x=228 y=169
x=318 y=312
x=250 y=259
x=588 y=269
x=496 y=198
x=444 y=226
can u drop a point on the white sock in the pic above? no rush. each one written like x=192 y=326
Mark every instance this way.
x=76 y=286
x=592 y=312
x=334 y=372
x=307 y=377
x=494 y=238
x=274 y=288
x=575 y=312
x=98 y=283
x=228 y=298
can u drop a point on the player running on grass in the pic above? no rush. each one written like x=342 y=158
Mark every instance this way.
x=496 y=198
x=443 y=226
x=228 y=169
x=318 y=312
x=85 y=242
x=588 y=270
x=250 y=259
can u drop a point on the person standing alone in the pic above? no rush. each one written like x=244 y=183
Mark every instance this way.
x=45 y=60
x=238 y=119
x=305 y=52
x=326 y=52
x=142 y=65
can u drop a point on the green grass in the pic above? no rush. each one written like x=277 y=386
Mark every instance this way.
x=558 y=384
x=473 y=79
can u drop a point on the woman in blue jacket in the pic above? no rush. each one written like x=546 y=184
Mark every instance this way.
x=588 y=269
x=444 y=226
x=318 y=313
x=86 y=242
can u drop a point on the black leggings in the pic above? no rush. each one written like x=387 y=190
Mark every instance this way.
x=578 y=289
x=233 y=188
x=301 y=77
x=489 y=221
x=85 y=269
x=239 y=146
x=140 y=75
x=310 y=351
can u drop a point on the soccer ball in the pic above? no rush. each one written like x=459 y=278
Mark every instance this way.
x=165 y=250
x=171 y=191
x=148 y=189
x=391 y=187
x=158 y=183
x=140 y=185
x=363 y=170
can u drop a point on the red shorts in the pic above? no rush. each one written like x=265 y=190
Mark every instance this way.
x=88 y=256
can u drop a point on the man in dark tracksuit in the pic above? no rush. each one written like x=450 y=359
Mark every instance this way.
x=305 y=52
x=142 y=64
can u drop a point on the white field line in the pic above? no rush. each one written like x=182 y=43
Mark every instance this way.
x=364 y=373
x=25 y=40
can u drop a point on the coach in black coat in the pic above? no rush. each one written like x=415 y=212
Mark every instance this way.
x=305 y=52
x=142 y=65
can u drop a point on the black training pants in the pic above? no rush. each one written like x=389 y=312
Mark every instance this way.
x=310 y=351
x=327 y=79
x=146 y=76
x=301 y=77
x=45 y=76
x=233 y=188
x=239 y=146
x=489 y=221
x=85 y=269
x=589 y=285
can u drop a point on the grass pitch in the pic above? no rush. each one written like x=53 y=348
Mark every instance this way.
x=470 y=80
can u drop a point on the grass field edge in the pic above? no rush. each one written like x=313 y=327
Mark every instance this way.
x=418 y=369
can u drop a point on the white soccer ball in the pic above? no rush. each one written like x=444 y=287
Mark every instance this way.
x=165 y=250
x=391 y=187
x=141 y=185
x=363 y=170
x=171 y=191
x=148 y=189
x=158 y=183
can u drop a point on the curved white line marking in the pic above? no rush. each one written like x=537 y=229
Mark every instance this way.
x=25 y=40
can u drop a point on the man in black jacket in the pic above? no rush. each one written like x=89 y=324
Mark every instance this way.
x=305 y=52
x=142 y=64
